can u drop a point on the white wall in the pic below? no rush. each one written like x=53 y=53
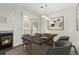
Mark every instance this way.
x=69 y=24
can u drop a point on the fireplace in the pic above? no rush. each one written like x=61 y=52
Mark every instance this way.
x=6 y=40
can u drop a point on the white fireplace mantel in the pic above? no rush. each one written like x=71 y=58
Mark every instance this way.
x=6 y=28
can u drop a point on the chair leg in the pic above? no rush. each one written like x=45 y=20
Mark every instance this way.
x=75 y=49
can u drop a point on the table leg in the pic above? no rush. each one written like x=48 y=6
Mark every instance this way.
x=29 y=48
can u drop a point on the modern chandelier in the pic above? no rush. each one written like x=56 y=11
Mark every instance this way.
x=45 y=15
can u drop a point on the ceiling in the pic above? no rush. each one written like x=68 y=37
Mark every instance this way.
x=51 y=7
x=6 y=8
x=36 y=7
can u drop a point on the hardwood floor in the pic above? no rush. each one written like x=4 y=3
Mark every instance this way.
x=36 y=50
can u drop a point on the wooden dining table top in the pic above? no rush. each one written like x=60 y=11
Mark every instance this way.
x=38 y=40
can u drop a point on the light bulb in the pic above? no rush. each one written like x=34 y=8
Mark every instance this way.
x=43 y=16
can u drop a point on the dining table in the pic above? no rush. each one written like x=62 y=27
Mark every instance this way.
x=37 y=40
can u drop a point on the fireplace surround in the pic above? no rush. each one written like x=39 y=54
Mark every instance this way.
x=6 y=40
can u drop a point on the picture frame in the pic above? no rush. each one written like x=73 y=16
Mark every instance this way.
x=77 y=18
x=56 y=23
x=3 y=19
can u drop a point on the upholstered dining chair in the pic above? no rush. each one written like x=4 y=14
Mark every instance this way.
x=61 y=48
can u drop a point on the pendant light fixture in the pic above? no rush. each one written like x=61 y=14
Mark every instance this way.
x=45 y=15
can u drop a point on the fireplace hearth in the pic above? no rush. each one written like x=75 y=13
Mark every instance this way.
x=6 y=40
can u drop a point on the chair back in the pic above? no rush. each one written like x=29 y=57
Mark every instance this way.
x=64 y=38
x=62 y=48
